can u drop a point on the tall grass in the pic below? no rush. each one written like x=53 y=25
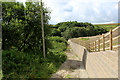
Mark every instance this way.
x=108 y=26
x=31 y=65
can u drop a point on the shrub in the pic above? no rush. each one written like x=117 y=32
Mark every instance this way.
x=76 y=29
x=18 y=64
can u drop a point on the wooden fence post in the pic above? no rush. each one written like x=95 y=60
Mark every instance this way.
x=90 y=47
x=98 y=44
x=103 y=42
x=111 y=39
x=95 y=46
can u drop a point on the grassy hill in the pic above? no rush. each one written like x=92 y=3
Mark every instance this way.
x=108 y=26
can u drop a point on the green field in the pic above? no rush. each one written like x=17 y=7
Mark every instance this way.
x=108 y=26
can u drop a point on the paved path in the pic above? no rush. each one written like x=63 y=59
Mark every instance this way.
x=102 y=64
x=71 y=68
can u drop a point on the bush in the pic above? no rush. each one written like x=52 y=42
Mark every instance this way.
x=18 y=64
x=29 y=65
x=57 y=46
x=57 y=39
x=77 y=29
x=22 y=26
x=22 y=43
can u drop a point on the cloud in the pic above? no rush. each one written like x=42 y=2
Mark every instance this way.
x=94 y=11
x=68 y=8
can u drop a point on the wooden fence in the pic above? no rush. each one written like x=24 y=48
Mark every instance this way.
x=108 y=41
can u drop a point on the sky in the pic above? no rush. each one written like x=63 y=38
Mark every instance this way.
x=92 y=11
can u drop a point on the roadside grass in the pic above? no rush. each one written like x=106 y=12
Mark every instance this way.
x=1 y=74
x=116 y=43
x=30 y=65
x=68 y=49
x=77 y=56
x=68 y=76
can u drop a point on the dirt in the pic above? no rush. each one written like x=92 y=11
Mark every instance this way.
x=86 y=42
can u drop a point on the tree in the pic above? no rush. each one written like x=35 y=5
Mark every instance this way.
x=12 y=24
x=22 y=27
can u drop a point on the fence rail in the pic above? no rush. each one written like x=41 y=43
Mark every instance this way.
x=108 y=41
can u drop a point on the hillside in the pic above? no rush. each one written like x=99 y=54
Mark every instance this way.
x=108 y=26
x=84 y=41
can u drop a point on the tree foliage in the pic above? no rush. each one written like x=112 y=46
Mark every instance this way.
x=22 y=42
x=75 y=29
x=22 y=25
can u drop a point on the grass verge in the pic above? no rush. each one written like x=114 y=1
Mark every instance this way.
x=30 y=65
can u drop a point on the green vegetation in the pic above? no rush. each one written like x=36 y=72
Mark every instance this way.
x=22 y=43
x=18 y=64
x=108 y=26
x=77 y=56
x=116 y=43
x=1 y=75
x=68 y=76
x=76 y=29
x=84 y=39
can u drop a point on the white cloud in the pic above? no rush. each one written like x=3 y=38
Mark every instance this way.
x=116 y=6
x=94 y=11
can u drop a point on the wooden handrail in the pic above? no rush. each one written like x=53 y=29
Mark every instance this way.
x=115 y=29
x=107 y=34
x=97 y=44
x=109 y=40
x=116 y=37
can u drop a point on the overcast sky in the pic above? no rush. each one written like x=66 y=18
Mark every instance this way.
x=93 y=11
